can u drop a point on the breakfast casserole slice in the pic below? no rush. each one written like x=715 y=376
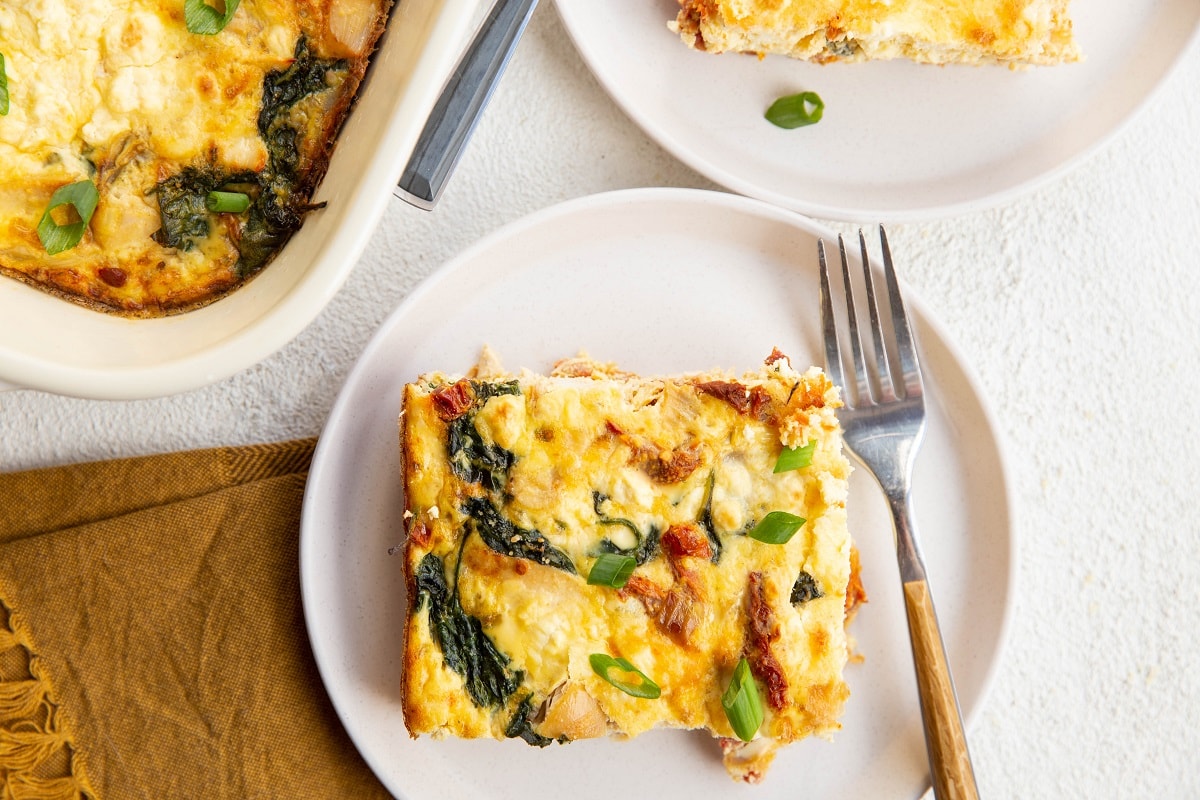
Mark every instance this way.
x=1013 y=32
x=592 y=553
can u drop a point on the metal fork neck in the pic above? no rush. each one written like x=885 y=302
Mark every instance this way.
x=912 y=565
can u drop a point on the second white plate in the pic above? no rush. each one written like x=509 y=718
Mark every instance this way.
x=657 y=280
x=898 y=141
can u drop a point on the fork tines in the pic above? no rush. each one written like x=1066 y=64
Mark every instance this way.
x=884 y=387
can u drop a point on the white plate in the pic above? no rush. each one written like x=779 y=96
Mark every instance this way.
x=898 y=141
x=658 y=280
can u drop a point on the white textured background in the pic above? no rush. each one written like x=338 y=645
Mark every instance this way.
x=1078 y=306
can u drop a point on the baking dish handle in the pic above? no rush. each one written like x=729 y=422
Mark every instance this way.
x=462 y=102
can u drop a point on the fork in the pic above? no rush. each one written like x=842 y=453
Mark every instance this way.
x=883 y=424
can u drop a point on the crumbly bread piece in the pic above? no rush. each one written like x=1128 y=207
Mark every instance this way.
x=1017 y=33
x=515 y=485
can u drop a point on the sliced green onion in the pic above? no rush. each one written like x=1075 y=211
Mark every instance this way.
x=3 y=87
x=202 y=18
x=742 y=702
x=796 y=110
x=795 y=457
x=603 y=663
x=234 y=202
x=777 y=527
x=57 y=238
x=612 y=570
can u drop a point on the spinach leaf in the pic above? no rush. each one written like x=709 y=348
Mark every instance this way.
x=182 y=210
x=805 y=588
x=276 y=215
x=283 y=88
x=624 y=523
x=465 y=647
x=486 y=391
x=521 y=725
x=503 y=536
x=278 y=200
x=642 y=552
x=706 y=521
x=646 y=547
x=471 y=458
x=279 y=211
x=474 y=460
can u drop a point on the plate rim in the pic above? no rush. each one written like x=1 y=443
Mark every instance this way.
x=325 y=448
x=924 y=213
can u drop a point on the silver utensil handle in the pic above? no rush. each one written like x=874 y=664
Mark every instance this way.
x=462 y=102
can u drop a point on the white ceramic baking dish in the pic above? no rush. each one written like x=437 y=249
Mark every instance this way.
x=49 y=344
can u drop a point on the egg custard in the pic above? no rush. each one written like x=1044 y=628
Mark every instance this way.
x=157 y=153
x=592 y=553
x=1016 y=33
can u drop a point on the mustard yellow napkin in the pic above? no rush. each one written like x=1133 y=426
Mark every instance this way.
x=152 y=643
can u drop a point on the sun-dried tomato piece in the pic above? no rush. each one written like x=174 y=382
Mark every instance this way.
x=451 y=402
x=733 y=393
x=686 y=540
x=761 y=634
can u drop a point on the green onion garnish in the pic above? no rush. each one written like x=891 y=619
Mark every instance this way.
x=603 y=663
x=795 y=457
x=234 y=202
x=57 y=238
x=612 y=570
x=777 y=527
x=796 y=110
x=202 y=18
x=743 y=705
x=3 y=87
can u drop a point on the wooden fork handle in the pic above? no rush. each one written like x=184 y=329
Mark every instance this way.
x=950 y=764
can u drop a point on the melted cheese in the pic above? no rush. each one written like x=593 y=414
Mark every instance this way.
x=592 y=455
x=121 y=93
